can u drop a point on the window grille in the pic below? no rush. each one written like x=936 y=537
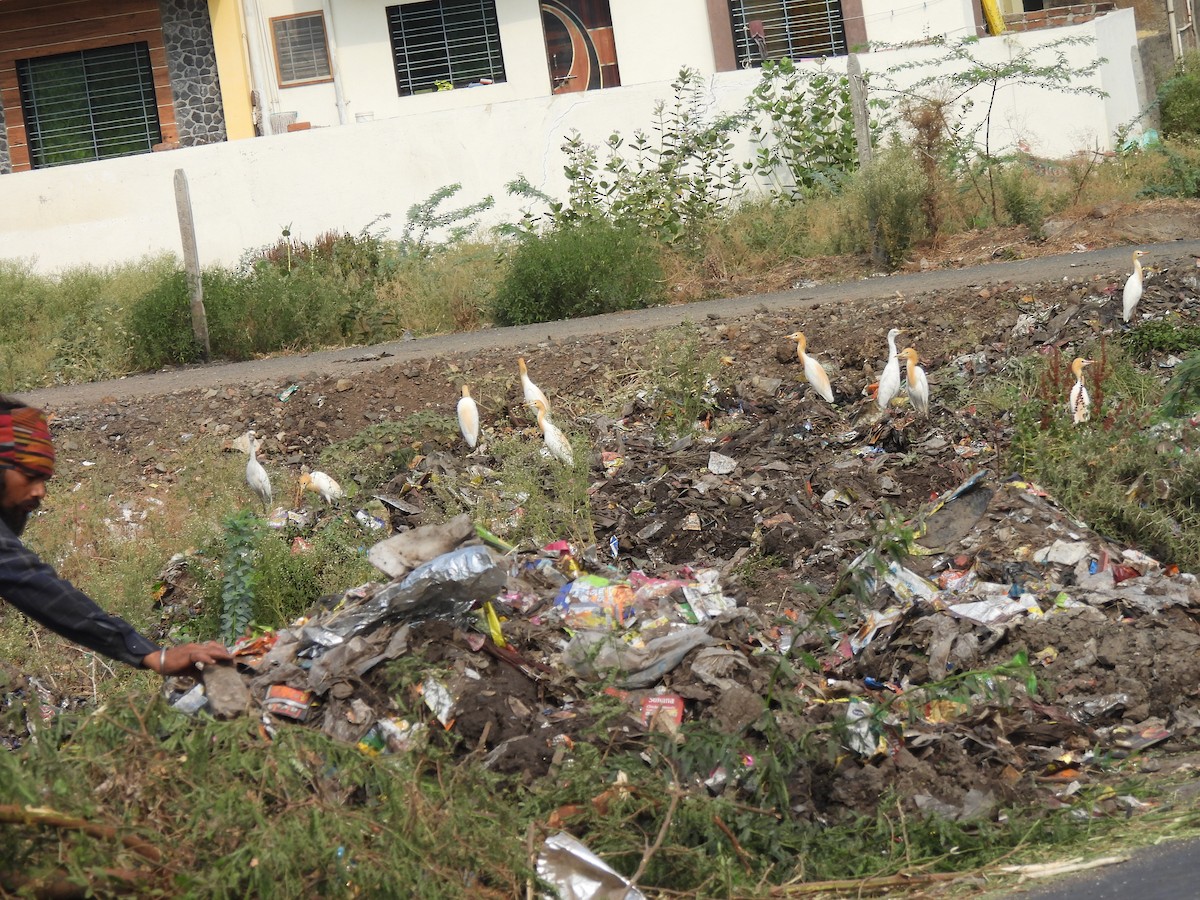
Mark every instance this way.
x=301 y=54
x=772 y=29
x=451 y=42
x=92 y=104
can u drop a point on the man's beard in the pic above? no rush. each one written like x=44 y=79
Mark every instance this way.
x=13 y=516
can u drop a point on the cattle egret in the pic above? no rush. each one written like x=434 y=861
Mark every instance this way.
x=468 y=418
x=256 y=475
x=330 y=490
x=1133 y=286
x=1079 y=403
x=889 y=381
x=814 y=372
x=556 y=441
x=532 y=392
x=918 y=384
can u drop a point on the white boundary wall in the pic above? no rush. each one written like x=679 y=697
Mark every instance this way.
x=245 y=192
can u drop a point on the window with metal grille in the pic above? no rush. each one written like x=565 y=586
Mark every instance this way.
x=772 y=29
x=301 y=54
x=445 y=43
x=93 y=104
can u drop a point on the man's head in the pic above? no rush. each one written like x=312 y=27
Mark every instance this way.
x=26 y=461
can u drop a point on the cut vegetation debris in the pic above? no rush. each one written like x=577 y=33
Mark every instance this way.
x=750 y=642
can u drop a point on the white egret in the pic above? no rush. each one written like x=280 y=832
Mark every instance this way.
x=814 y=372
x=918 y=384
x=889 y=381
x=256 y=475
x=556 y=441
x=1133 y=286
x=1079 y=403
x=468 y=418
x=532 y=392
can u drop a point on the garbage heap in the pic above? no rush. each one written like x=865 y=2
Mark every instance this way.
x=1006 y=653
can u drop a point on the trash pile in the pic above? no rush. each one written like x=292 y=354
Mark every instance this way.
x=1010 y=642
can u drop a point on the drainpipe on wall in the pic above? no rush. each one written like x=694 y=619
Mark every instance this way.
x=1176 y=50
x=335 y=69
x=254 y=51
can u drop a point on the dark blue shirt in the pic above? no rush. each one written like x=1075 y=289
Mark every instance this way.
x=37 y=590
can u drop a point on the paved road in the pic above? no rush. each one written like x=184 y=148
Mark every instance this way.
x=347 y=362
x=1167 y=872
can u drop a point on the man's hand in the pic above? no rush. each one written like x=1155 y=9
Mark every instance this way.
x=186 y=659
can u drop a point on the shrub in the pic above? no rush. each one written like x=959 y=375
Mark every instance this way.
x=160 y=325
x=576 y=270
x=884 y=214
x=1022 y=203
x=1179 y=98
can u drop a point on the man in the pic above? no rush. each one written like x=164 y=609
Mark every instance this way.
x=26 y=464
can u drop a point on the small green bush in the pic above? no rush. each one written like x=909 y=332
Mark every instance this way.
x=1179 y=99
x=884 y=215
x=577 y=270
x=1022 y=202
x=160 y=325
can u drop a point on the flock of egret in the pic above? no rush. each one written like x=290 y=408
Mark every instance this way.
x=559 y=446
x=888 y=385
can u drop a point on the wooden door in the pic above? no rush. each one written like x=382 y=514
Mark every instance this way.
x=580 y=49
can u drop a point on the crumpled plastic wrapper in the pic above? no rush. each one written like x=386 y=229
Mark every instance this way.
x=592 y=653
x=578 y=874
x=442 y=588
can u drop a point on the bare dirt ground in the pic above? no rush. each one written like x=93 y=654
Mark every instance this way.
x=1115 y=649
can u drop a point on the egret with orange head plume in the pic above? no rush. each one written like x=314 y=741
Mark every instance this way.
x=531 y=391
x=331 y=492
x=556 y=441
x=1079 y=404
x=814 y=372
x=918 y=384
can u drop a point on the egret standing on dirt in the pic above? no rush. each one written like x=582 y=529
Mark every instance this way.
x=814 y=372
x=918 y=384
x=889 y=381
x=468 y=418
x=1079 y=403
x=1133 y=286
x=331 y=492
x=531 y=391
x=256 y=475
x=556 y=441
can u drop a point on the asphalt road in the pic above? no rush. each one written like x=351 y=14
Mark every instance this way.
x=1170 y=871
x=347 y=362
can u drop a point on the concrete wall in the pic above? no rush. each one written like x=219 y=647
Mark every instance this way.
x=889 y=22
x=246 y=192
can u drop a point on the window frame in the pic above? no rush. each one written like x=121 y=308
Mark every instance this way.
x=39 y=120
x=745 y=57
x=279 y=80
x=488 y=24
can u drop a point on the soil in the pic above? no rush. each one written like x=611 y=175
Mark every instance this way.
x=1116 y=661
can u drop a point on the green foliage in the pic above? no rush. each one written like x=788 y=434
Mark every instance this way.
x=424 y=222
x=1183 y=392
x=671 y=183
x=160 y=325
x=238 y=583
x=883 y=215
x=579 y=269
x=1179 y=99
x=951 y=74
x=681 y=380
x=1115 y=471
x=1169 y=335
x=1019 y=193
x=804 y=126
x=1178 y=175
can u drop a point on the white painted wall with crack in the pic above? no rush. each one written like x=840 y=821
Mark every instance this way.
x=244 y=193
